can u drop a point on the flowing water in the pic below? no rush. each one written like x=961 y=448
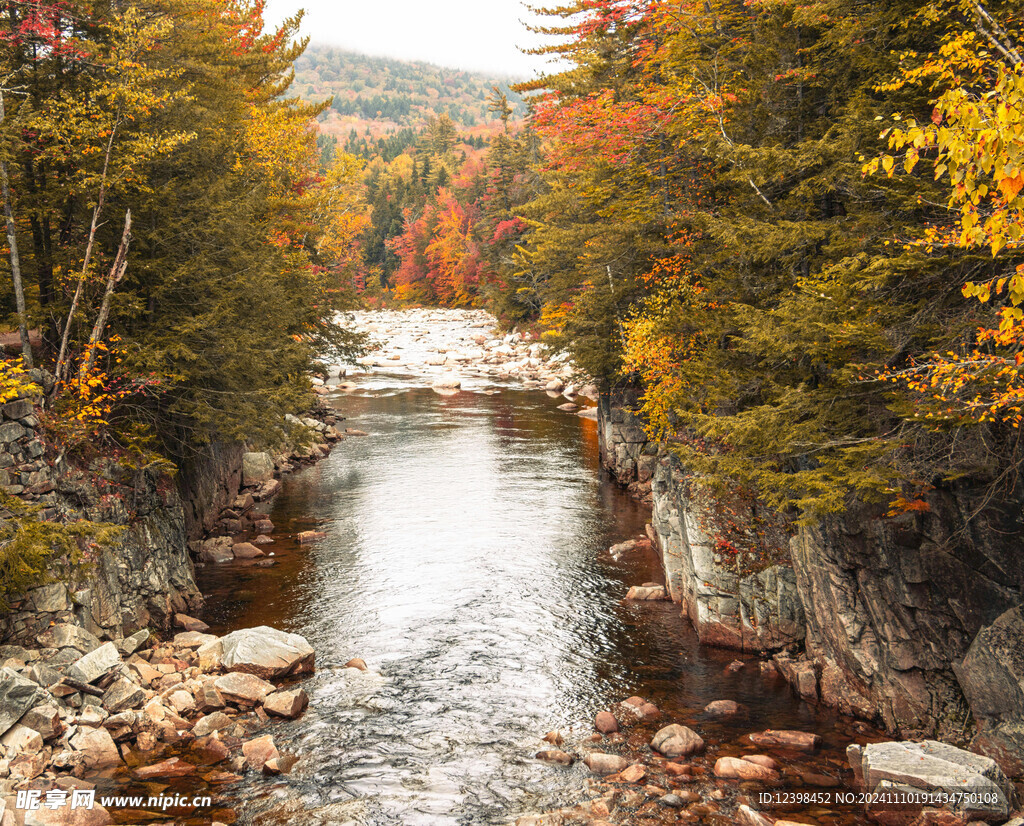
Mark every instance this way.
x=466 y=560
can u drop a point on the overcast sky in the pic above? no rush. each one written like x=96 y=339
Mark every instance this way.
x=467 y=34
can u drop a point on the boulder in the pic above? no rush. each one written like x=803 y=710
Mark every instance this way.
x=64 y=816
x=677 y=741
x=95 y=664
x=289 y=704
x=49 y=598
x=244 y=688
x=600 y=763
x=722 y=708
x=555 y=756
x=166 y=769
x=129 y=645
x=992 y=678
x=904 y=767
x=187 y=623
x=17 y=696
x=798 y=740
x=216 y=550
x=647 y=593
x=263 y=651
x=606 y=723
x=20 y=739
x=66 y=635
x=45 y=719
x=257 y=468
x=246 y=550
x=358 y=663
x=736 y=769
x=122 y=695
x=309 y=537
x=447 y=383
x=97 y=746
x=193 y=639
x=257 y=752
x=211 y=723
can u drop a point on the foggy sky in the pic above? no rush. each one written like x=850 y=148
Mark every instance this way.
x=467 y=34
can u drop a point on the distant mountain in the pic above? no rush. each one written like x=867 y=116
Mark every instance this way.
x=382 y=95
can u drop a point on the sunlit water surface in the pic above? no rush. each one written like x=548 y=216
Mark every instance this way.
x=466 y=560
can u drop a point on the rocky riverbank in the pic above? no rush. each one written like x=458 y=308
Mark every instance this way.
x=184 y=713
x=644 y=768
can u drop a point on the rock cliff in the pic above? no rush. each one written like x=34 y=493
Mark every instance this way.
x=911 y=621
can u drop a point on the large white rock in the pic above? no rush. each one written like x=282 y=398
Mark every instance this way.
x=96 y=663
x=977 y=788
x=263 y=651
x=257 y=468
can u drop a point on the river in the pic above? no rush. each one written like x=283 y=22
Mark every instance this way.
x=466 y=560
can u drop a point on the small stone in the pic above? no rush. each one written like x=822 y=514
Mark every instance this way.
x=601 y=763
x=677 y=741
x=309 y=537
x=357 y=662
x=246 y=550
x=190 y=623
x=257 y=752
x=555 y=756
x=174 y=767
x=673 y=801
x=289 y=704
x=554 y=738
x=606 y=723
x=633 y=774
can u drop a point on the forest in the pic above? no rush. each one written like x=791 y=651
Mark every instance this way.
x=793 y=227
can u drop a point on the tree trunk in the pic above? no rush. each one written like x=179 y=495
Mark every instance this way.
x=62 y=356
x=117 y=271
x=12 y=242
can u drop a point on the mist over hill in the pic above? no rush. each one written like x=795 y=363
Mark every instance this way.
x=382 y=95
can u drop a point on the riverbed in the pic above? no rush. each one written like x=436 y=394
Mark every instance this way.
x=466 y=559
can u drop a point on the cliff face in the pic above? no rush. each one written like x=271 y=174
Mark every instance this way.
x=757 y=612
x=146 y=576
x=902 y=620
x=893 y=604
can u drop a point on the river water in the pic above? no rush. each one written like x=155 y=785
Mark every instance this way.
x=466 y=560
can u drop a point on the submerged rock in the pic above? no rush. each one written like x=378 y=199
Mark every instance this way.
x=677 y=741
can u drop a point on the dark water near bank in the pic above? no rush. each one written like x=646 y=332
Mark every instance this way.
x=466 y=560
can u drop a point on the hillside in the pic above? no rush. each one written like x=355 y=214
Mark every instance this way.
x=384 y=95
